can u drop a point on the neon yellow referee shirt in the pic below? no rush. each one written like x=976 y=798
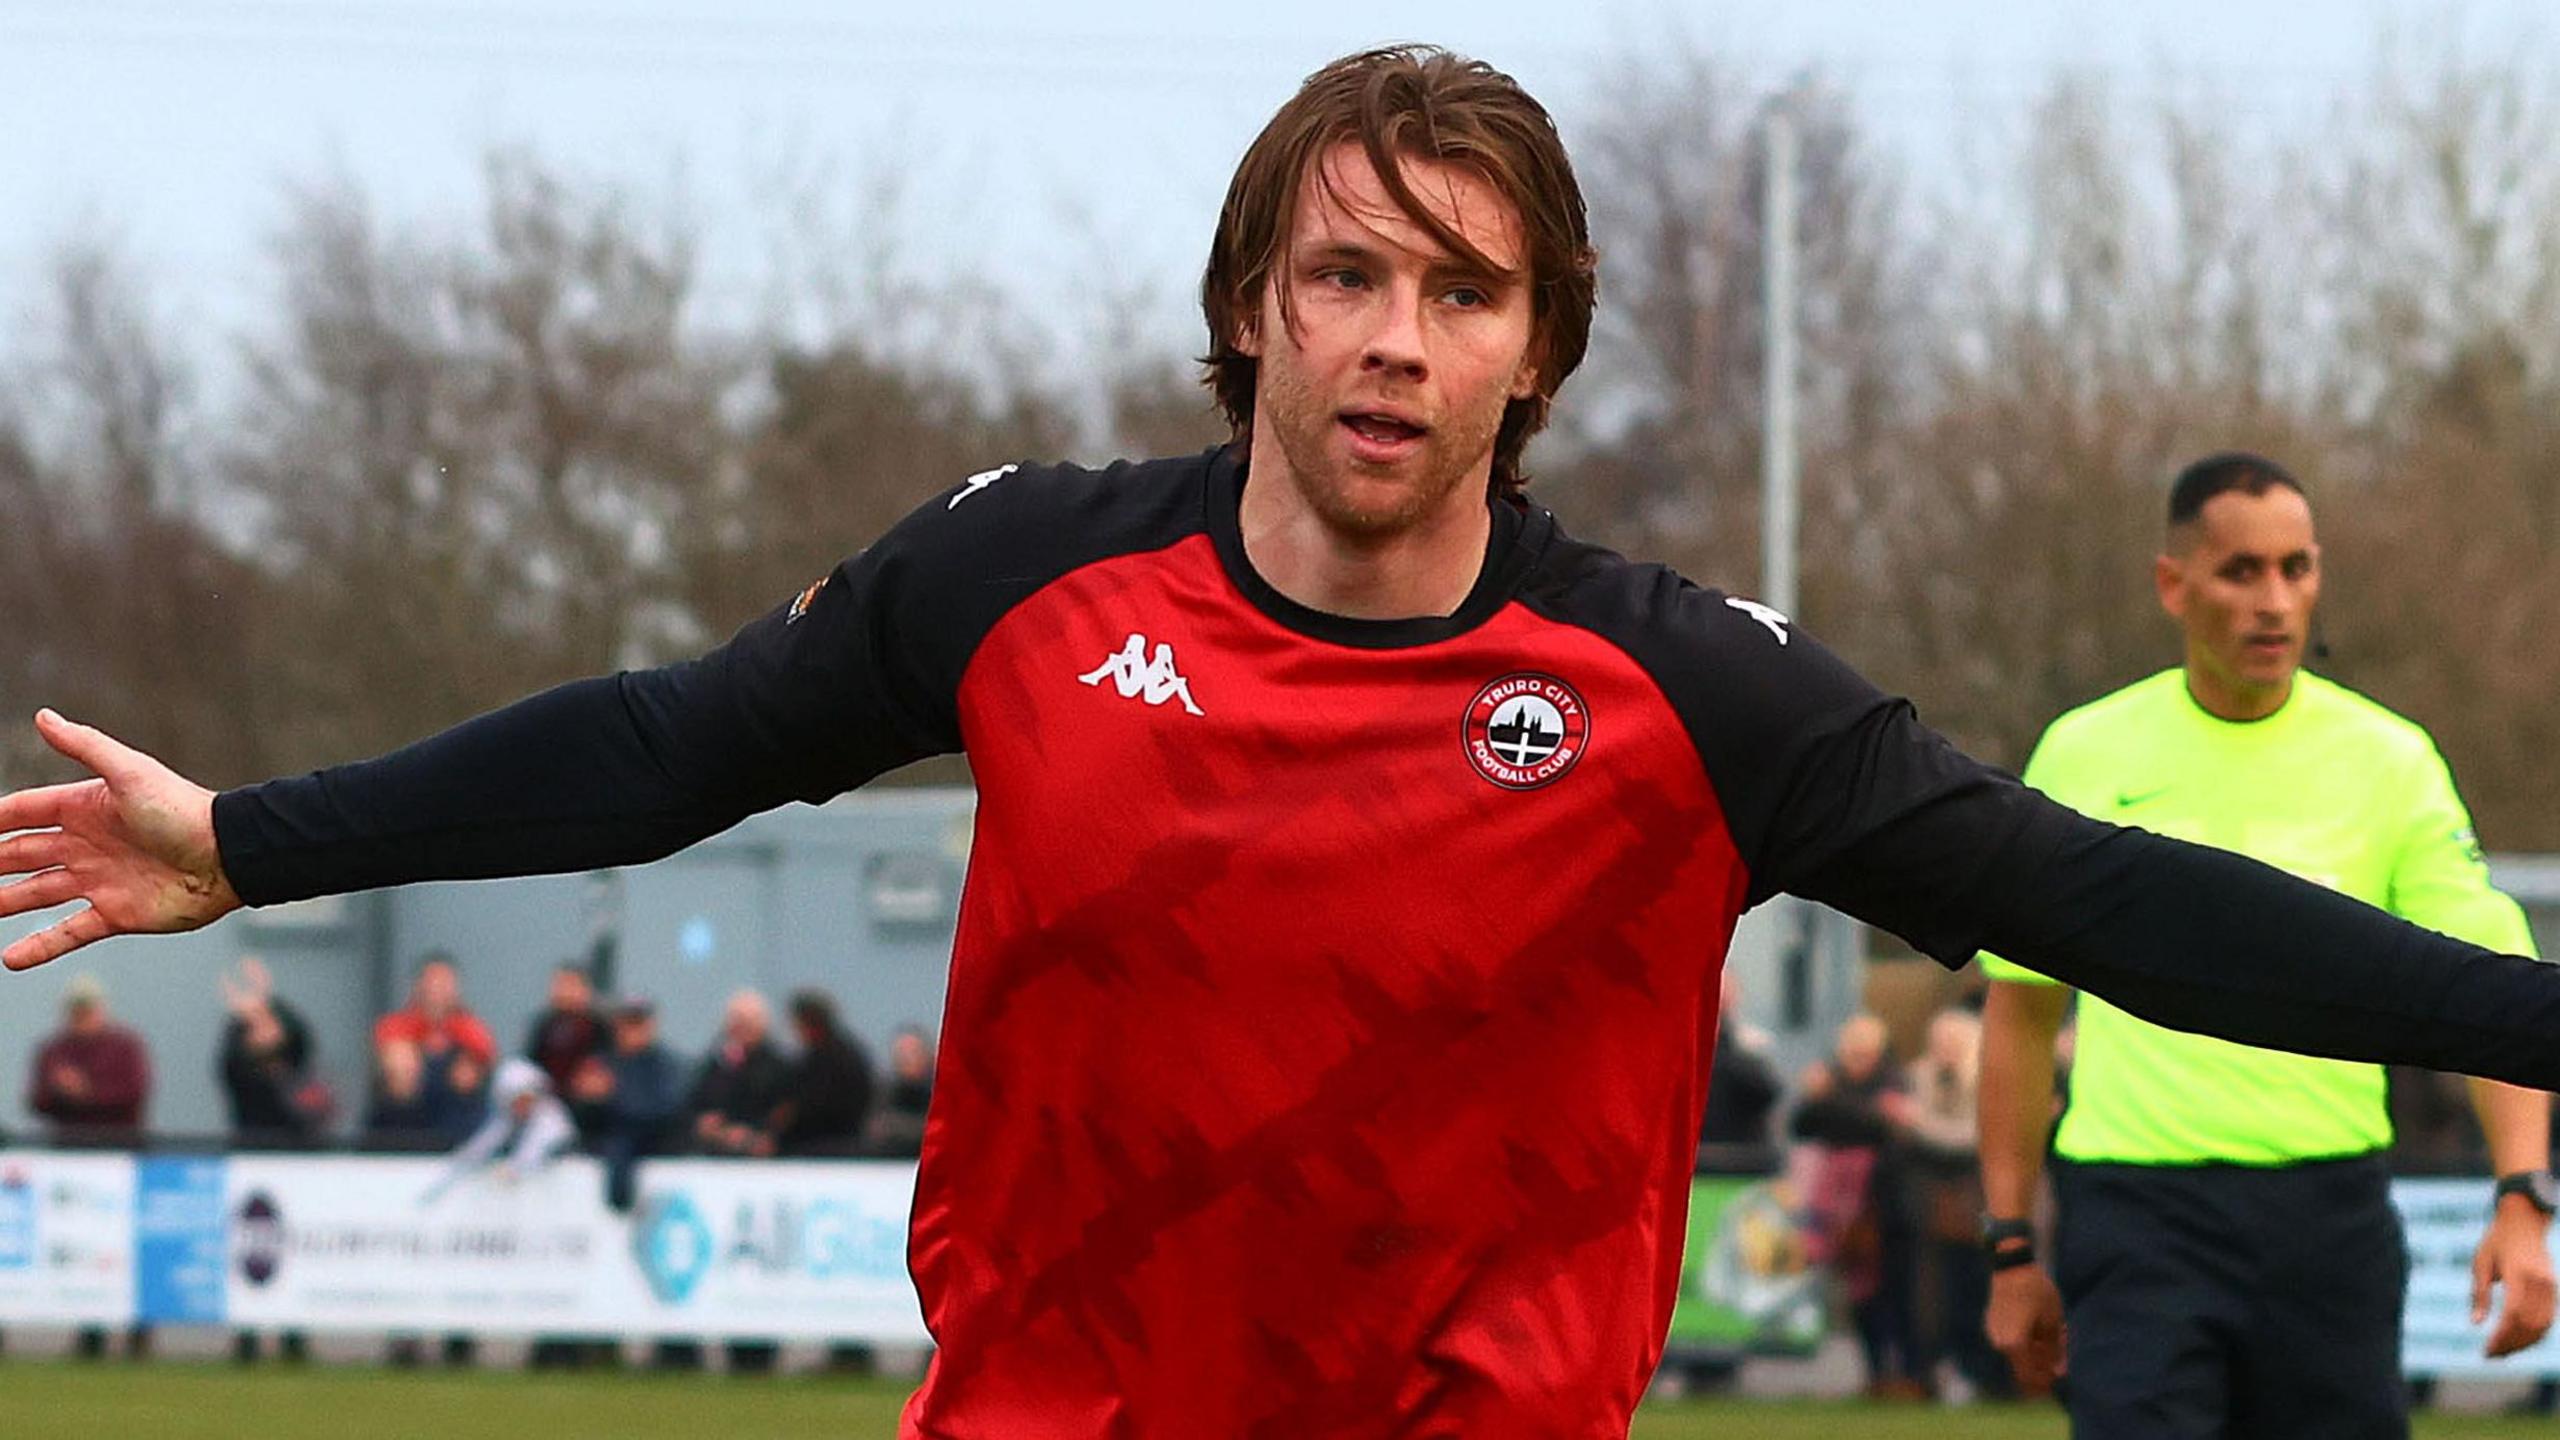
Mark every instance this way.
x=2333 y=788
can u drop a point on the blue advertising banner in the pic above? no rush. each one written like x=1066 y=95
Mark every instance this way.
x=180 y=1240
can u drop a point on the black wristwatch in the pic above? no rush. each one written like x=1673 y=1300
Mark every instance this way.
x=2008 y=1244
x=2535 y=1185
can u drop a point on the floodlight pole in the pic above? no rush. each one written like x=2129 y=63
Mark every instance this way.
x=1823 y=955
x=1778 y=464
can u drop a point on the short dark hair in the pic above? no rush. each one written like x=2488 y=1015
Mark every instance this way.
x=1423 y=102
x=2220 y=475
x=815 y=1009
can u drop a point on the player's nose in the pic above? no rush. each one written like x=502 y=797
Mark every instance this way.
x=1395 y=343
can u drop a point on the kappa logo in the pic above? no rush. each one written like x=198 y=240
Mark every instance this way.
x=1138 y=677
x=1525 y=730
x=1776 y=622
x=978 y=482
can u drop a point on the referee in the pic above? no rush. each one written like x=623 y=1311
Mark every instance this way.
x=2227 y=1257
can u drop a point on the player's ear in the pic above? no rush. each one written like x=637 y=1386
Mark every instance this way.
x=1247 y=338
x=2169 y=578
x=1524 y=380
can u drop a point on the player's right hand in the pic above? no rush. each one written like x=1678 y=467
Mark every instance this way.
x=2024 y=1322
x=135 y=843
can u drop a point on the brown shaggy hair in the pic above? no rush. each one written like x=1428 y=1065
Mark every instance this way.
x=1424 y=102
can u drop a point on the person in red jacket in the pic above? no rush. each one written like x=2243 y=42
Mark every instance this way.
x=92 y=1077
x=436 y=1021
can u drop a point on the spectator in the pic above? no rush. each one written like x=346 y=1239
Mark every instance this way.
x=626 y=1100
x=741 y=1081
x=458 y=1090
x=1946 y=1186
x=453 y=1053
x=266 y=1064
x=421 y=1106
x=569 y=1033
x=1852 y=1106
x=435 y=1020
x=265 y=1068
x=92 y=1077
x=400 y=1113
x=897 y=1127
x=525 y=1131
x=1743 y=1088
x=827 y=1105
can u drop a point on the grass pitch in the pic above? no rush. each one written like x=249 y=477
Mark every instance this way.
x=58 y=1401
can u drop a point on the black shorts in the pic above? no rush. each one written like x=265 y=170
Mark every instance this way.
x=2226 y=1302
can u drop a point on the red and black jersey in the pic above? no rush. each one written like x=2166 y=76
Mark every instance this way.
x=1333 y=1000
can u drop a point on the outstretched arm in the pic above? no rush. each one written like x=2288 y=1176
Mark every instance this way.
x=2189 y=937
x=804 y=703
x=1835 y=791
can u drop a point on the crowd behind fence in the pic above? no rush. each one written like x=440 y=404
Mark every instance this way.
x=1849 y=1189
x=590 y=1072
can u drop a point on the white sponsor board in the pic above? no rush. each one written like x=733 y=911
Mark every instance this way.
x=66 y=1237
x=363 y=1242
x=772 y=1248
x=2445 y=1220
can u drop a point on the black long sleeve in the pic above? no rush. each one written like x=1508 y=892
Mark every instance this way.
x=2184 y=935
x=857 y=676
x=803 y=704
x=1835 y=791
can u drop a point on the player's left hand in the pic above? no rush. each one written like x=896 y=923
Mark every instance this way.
x=2515 y=1254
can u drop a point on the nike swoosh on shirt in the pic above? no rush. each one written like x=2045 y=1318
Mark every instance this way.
x=2127 y=799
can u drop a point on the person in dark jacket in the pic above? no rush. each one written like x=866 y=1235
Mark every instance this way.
x=828 y=1107
x=265 y=1068
x=569 y=1032
x=423 y=1104
x=897 y=1124
x=626 y=1100
x=1743 y=1086
x=265 y=1065
x=741 y=1081
x=1855 y=1108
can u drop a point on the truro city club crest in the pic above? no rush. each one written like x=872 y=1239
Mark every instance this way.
x=1526 y=730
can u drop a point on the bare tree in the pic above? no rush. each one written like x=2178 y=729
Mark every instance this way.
x=122 y=607
x=479 y=455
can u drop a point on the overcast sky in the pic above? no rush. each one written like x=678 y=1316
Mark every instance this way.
x=1047 y=144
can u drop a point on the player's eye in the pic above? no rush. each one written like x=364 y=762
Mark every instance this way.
x=1468 y=297
x=1343 y=277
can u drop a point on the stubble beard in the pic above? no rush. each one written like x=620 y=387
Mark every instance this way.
x=1304 y=423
